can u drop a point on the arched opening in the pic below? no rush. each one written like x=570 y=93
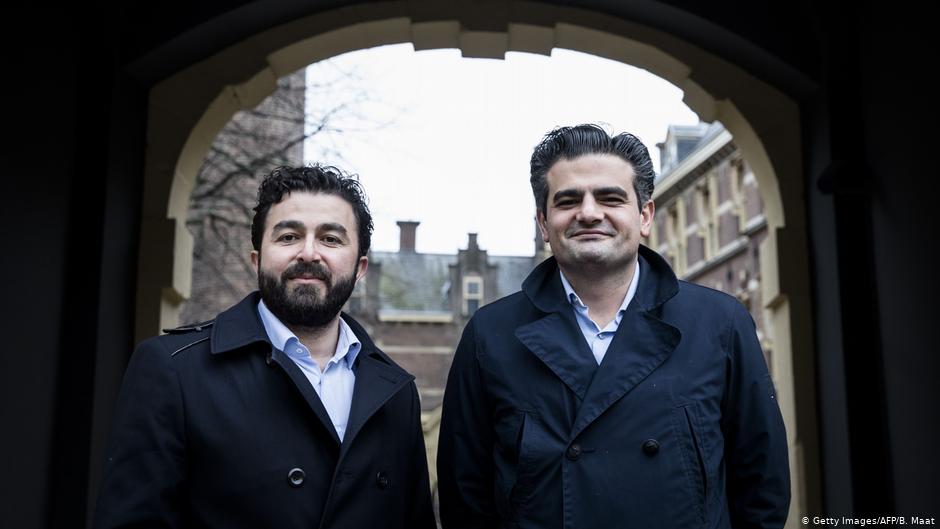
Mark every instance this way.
x=763 y=121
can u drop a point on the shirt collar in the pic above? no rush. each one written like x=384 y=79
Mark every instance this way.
x=574 y=300
x=347 y=346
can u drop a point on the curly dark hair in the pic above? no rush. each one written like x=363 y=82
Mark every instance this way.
x=312 y=179
x=580 y=140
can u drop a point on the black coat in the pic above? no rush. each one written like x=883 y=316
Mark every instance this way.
x=678 y=427
x=215 y=428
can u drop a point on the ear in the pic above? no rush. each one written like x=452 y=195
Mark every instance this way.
x=543 y=225
x=255 y=260
x=646 y=218
x=361 y=267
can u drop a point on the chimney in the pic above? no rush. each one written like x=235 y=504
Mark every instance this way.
x=472 y=242
x=406 y=241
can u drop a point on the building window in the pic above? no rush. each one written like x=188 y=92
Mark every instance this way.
x=707 y=214
x=472 y=306
x=472 y=294
x=738 y=194
x=675 y=234
x=684 y=147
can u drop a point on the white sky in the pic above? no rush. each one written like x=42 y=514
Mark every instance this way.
x=456 y=154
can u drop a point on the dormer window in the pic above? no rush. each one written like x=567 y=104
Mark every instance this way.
x=472 y=294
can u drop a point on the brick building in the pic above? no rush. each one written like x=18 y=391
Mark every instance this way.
x=415 y=305
x=220 y=209
x=709 y=219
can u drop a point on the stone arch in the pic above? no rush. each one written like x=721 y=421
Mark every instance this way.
x=188 y=109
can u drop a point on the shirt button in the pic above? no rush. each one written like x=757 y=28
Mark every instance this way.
x=651 y=447
x=296 y=477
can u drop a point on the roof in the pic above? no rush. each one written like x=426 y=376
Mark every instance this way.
x=420 y=282
x=414 y=281
x=511 y=272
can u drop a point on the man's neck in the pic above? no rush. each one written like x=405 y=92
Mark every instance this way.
x=320 y=341
x=602 y=293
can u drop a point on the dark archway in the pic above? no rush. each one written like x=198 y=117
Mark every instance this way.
x=763 y=120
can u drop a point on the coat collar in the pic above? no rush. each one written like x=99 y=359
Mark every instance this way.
x=642 y=342
x=544 y=289
x=238 y=326
x=378 y=378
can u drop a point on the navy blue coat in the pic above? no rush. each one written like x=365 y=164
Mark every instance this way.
x=217 y=429
x=678 y=427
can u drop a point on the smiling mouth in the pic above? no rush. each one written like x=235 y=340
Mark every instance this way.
x=591 y=234
x=307 y=278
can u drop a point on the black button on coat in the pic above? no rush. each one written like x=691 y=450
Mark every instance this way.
x=215 y=429
x=677 y=428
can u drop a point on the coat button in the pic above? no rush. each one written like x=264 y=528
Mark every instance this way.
x=651 y=447
x=574 y=452
x=296 y=477
x=381 y=480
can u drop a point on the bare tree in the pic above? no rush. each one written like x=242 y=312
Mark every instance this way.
x=247 y=148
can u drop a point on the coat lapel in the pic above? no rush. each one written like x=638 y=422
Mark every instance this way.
x=557 y=340
x=376 y=382
x=642 y=343
x=239 y=327
x=303 y=386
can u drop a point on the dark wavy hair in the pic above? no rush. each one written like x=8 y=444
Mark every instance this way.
x=579 y=140
x=315 y=178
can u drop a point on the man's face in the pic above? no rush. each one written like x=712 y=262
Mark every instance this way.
x=592 y=219
x=308 y=264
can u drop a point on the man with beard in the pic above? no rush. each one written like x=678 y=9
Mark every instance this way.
x=281 y=412
x=608 y=393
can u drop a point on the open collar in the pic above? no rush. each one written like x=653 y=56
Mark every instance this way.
x=348 y=344
x=544 y=288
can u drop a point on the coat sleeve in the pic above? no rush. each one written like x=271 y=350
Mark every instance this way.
x=420 y=512
x=758 y=472
x=145 y=463
x=465 y=447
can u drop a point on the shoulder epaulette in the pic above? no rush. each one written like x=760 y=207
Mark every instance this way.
x=192 y=327
x=187 y=346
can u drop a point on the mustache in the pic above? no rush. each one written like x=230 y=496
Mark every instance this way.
x=309 y=269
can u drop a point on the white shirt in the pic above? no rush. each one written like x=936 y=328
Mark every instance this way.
x=598 y=339
x=334 y=385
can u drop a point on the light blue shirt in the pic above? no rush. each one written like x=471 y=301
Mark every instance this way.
x=598 y=339
x=334 y=385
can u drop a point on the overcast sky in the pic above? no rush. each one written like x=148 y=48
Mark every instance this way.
x=455 y=155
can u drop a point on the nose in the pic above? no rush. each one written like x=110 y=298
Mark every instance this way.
x=589 y=212
x=310 y=250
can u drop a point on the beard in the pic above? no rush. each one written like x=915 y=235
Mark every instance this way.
x=304 y=306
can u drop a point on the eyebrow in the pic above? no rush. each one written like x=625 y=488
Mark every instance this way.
x=299 y=226
x=577 y=193
x=567 y=193
x=287 y=225
x=332 y=226
x=611 y=190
